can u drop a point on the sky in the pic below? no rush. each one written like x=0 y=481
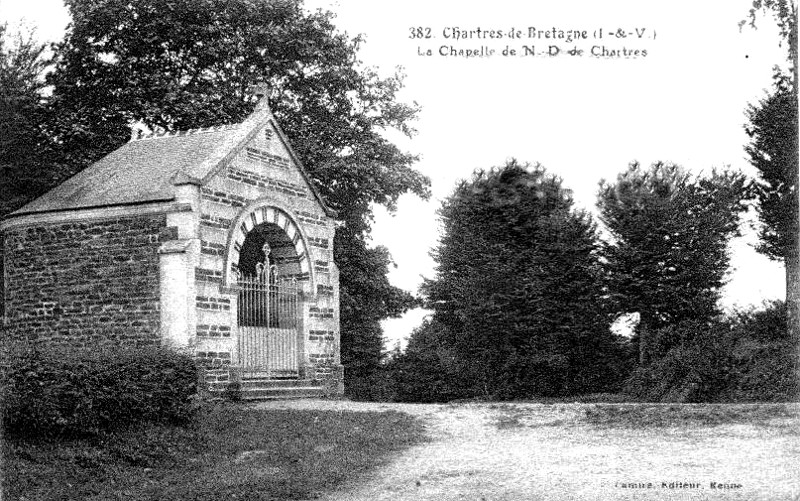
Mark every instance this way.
x=583 y=117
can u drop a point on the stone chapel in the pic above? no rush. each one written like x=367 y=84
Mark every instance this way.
x=213 y=241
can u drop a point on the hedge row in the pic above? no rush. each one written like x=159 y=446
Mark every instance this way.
x=62 y=390
x=745 y=358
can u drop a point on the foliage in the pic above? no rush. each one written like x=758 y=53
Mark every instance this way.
x=62 y=390
x=745 y=358
x=174 y=65
x=516 y=296
x=428 y=370
x=25 y=147
x=367 y=297
x=695 y=369
x=667 y=255
x=719 y=372
x=765 y=324
x=226 y=452
x=773 y=151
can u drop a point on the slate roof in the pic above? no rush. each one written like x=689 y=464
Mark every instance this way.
x=144 y=170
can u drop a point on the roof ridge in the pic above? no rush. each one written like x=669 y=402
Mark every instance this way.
x=188 y=132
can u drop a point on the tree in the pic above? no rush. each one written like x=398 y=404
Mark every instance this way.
x=25 y=147
x=179 y=64
x=366 y=298
x=516 y=295
x=666 y=256
x=773 y=151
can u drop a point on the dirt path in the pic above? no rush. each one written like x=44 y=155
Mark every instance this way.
x=549 y=452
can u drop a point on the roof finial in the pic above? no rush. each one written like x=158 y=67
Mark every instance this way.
x=261 y=91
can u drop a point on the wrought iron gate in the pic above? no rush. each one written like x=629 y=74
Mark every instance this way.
x=268 y=321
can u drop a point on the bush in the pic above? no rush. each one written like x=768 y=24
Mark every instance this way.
x=375 y=385
x=422 y=377
x=746 y=358
x=428 y=370
x=768 y=324
x=62 y=390
x=765 y=373
x=691 y=362
x=661 y=341
x=431 y=370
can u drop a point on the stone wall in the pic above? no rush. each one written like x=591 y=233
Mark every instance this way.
x=86 y=282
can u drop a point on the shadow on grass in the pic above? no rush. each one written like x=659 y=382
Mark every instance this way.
x=670 y=415
x=782 y=417
x=228 y=452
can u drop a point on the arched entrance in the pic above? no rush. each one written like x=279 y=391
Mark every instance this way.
x=276 y=227
x=269 y=274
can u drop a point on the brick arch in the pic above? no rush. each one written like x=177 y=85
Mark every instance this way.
x=255 y=215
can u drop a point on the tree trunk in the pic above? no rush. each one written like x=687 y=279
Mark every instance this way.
x=793 y=285
x=793 y=293
x=792 y=263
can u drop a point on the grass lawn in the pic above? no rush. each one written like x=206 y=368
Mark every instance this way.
x=230 y=452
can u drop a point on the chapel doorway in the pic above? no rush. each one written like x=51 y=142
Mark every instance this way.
x=269 y=303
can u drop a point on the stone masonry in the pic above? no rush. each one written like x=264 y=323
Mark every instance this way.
x=86 y=282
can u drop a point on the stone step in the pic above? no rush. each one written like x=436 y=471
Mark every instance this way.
x=276 y=374
x=267 y=383
x=279 y=383
x=278 y=393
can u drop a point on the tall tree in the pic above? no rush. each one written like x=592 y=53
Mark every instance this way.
x=773 y=151
x=179 y=64
x=667 y=253
x=517 y=292
x=25 y=147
